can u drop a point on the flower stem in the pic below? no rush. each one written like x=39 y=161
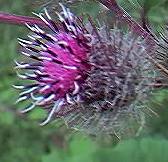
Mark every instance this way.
x=19 y=20
x=122 y=15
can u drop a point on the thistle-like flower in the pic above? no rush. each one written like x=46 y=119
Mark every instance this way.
x=96 y=79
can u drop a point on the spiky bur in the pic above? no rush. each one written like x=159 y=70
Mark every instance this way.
x=117 y=88
x=96 y=79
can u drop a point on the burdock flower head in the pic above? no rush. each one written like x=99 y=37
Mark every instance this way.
x=95 y=78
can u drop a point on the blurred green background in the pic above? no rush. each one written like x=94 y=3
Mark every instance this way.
x=22 y=140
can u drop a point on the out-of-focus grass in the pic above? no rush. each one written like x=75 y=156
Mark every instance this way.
x=21 y=139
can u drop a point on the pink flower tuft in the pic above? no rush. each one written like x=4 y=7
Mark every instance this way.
x=66 y=66
x=60 y=63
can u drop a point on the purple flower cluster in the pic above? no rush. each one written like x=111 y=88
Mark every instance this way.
x=95 y=78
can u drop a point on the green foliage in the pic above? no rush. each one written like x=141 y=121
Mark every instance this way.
x=155 y=10
x=148 y=4
x=146 y=150
x=86 y=7
x=23 y=140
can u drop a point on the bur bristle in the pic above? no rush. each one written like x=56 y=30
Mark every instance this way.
x=162 y=52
